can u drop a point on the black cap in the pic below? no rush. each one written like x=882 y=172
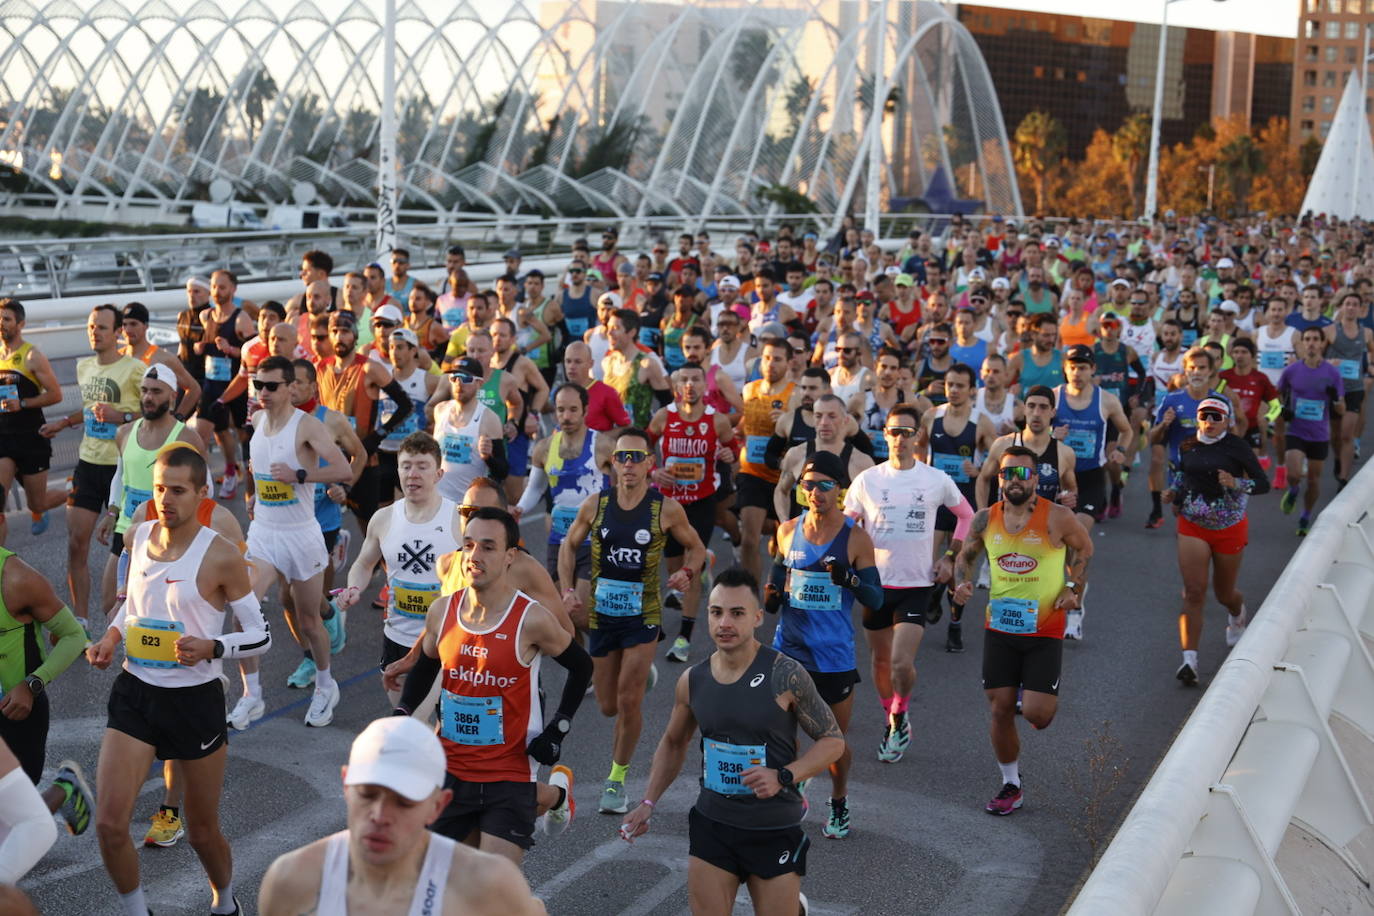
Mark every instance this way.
x=829 y=464
x=1079 y=353
x=469 y=365
x=655 y=276
x=137 y=311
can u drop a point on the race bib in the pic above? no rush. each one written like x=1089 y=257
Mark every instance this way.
x=133 y=498
x=812 y=590
x=1083 y=442
x=755 y=448
x=457 y=449
x=1350 y=369
x=9 y=392
x=1189 y=337
x=452 y=317
x=687 y=471
x=879 y=446
x=219 y=368
x=953 y=465
x=577 y=327
x=274 y=492
x=618 y=598
x=1309 y=409
x=97 y=429
x=474 y=721
x=562 y=519
x=386 y=408
x=1273 y=359
x=152 y=643
x=1014 y=615
x=723 y=765
x=412 y=599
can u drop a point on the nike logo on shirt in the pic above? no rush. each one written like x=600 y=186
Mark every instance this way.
x=173 y=581
x=209 y=744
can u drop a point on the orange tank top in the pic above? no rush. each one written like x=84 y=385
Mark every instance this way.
x=488 y=698
x=1073 y=333
x=757 y=425
x=346 y=391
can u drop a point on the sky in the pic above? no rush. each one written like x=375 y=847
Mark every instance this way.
x=1264 y=17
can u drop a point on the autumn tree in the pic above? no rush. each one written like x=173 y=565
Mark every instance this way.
x=1130 y=148
x=1280 y=185
x=1037 y=150
x=1097 y=186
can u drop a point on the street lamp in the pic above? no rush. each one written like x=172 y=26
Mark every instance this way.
x=1152 y=172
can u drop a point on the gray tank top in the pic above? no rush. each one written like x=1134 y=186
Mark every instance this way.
x=743 y=726
x=1352 y=353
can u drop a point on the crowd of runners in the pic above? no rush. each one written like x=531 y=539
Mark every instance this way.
x=825 y=446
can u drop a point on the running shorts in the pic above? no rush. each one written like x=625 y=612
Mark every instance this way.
x=1229 y=540
x=90 y=486
x=745 y=853
x=584 y=560
x=1354 y=401
x=181 y=723
x=1312 y=451
x=1013 y=660
x=295 y=551
x=835 y=687
x=754 y=493
x=30 y=452
x=619 y=633
x=1092 y=492
x=505 y=810
x=701 y=515
x=900 y=605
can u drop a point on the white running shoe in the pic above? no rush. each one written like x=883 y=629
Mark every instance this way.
x=322 y=704
x=1235 y=626
x=246 y=711
x=1073 y=624
x=556 y=820
x=229 y=485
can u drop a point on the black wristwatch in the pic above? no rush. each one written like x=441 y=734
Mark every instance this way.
x=300 y=475
x=219 y=648
x=35 y=684
x=785 y=777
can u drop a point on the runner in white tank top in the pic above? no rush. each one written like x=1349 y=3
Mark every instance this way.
x=1163 y=368
x=737 y=369
x=1275 y=352
x=461 y=444
x=429 y=887
x=1003 y=420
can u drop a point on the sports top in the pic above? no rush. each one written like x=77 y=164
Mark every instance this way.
x=428 y=899
x=1027 y=575
x=411 y=551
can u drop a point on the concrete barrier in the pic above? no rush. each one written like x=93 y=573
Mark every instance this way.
x=1262 y=803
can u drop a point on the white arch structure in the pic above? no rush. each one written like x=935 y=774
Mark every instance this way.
x=563 y=107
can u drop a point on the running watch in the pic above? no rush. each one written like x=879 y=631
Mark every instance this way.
x=785 y=777
x=35 y=684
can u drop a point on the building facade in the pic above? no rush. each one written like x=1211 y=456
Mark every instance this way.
x=1331 y=37
x=1094 y=73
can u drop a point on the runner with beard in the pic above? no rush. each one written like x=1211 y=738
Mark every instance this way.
x=1038 y=555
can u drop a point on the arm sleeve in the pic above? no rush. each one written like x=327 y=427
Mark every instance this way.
x=117 y=485
x=404 y=407
x=418 y=682
x=71 y=642
x=534 y=489
x=773 y=452
x=578 y=664
x=664 y=396
x=963 y=517
x=254 y=636
x=498 y=465
x=870 y=590
x=26 y=826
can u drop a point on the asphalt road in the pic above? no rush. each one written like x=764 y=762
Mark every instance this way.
x=921 y=842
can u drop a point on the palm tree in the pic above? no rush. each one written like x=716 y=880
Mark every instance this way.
x=1130 y=146
x=1240 y=161
x=1037 y=146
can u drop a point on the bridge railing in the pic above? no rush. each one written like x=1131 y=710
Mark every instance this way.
x=1258 y=759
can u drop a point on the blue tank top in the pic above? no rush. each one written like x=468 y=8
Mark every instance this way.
x=578 y=313
x=1087 y=429
x=1050 y=375
x=327 y=512
x=971 y=355
x=815 y=626
x=571 y=481
x=948 y=453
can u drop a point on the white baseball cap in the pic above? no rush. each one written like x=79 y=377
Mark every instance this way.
x=1225 y=263
x=730 y=281
x=611 y=299
x=1121 y=281
x=398 y=753
x=1228 y=305
x=388 y=312
x=1001 y=283
x=892 y=270
x=162 y=373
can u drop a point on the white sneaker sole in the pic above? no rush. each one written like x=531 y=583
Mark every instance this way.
x=328 y=713
x=240 y=722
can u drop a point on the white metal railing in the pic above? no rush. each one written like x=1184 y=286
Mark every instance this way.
x=1258 y=754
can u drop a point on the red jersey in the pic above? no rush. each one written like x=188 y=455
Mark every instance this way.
x=605 y=409
x=689 y=451
x=1253 y=389
x=488 y=698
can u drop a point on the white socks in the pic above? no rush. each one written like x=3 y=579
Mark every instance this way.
x=252 y=686
x=223 y=901
x=1011 y=772
x=133 y=902
x=1190 y=657
x=323 y=679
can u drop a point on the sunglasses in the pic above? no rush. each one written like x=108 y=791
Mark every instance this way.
x=978 y=301
x=825 y=486
x=319 y=336
x=399 y=261
x=384 y=324
x=466 y=512
x=576 y=270
x=266 y=386
x=938 y=340
x=901 y=432
x=465 y=378
x=846 y=349
x=1212 y=416
x=1017 y=472
x=629 y=455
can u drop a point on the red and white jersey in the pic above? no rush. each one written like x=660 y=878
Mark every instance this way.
x=488 y=698
x=689 y=451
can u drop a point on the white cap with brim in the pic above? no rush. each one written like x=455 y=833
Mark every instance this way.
x=1219 y=404
x=611 y=299
x=162 y=373
x=399 y=753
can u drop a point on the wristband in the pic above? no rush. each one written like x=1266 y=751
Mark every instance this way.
x=690 y=572
x=647 y=802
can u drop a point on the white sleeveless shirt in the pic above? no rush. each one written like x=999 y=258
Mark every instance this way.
x=276 y=502
x=461 y=462
x=411 y=552
x=163 y=604
x=429 y=889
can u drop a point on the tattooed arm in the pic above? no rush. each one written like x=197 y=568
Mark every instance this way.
x=967 y=565
x=794 y=690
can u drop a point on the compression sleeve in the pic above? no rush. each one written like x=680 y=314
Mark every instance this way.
x=27 y=829
x=396 y=391
x=117 y=486
x=498 y=465
x=578 y=664
x=664 y=396
x=122 y=571
x=870 y=590
x=418 y=682
x=963 y=517
x=254 y=636
x=71 y=642
x=534 y=489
